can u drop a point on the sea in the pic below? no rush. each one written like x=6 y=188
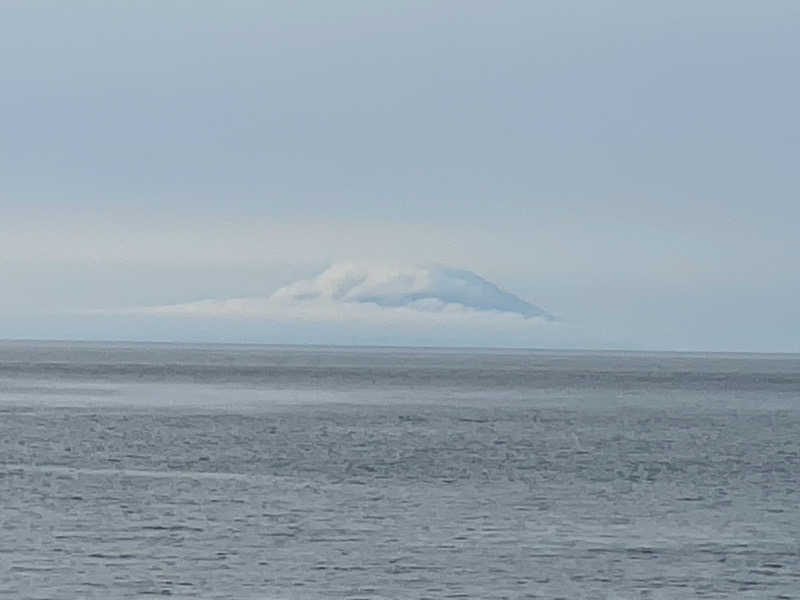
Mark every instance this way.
x=277 y=472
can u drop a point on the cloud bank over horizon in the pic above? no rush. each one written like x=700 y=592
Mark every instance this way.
x=373 y=294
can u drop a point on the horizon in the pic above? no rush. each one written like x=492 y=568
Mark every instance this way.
x=344 y=346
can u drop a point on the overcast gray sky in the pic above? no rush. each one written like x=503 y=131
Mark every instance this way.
x=631 y=167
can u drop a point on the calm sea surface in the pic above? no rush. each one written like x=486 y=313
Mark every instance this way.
x=248 y=472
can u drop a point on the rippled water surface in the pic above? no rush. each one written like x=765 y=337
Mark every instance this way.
x=265 y=472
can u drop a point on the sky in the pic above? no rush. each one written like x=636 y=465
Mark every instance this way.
x=628 y=168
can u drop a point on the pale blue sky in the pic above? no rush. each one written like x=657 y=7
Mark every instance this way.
x=628 y=166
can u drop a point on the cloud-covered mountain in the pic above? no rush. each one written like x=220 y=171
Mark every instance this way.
x=425 y=288
x=356 y=303
x=369 y=295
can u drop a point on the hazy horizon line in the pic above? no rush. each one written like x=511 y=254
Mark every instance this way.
x=627 y=350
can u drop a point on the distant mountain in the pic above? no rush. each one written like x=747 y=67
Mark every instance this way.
x=426 y=288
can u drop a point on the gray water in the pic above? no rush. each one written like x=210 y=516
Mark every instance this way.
x=277 y=472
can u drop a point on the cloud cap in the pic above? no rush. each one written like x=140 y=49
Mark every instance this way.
x=425 y=288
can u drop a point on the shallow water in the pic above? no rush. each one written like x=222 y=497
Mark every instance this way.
x=268 y=472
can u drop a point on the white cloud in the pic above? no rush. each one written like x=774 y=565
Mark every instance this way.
x=430 y=288
x=375 y=294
